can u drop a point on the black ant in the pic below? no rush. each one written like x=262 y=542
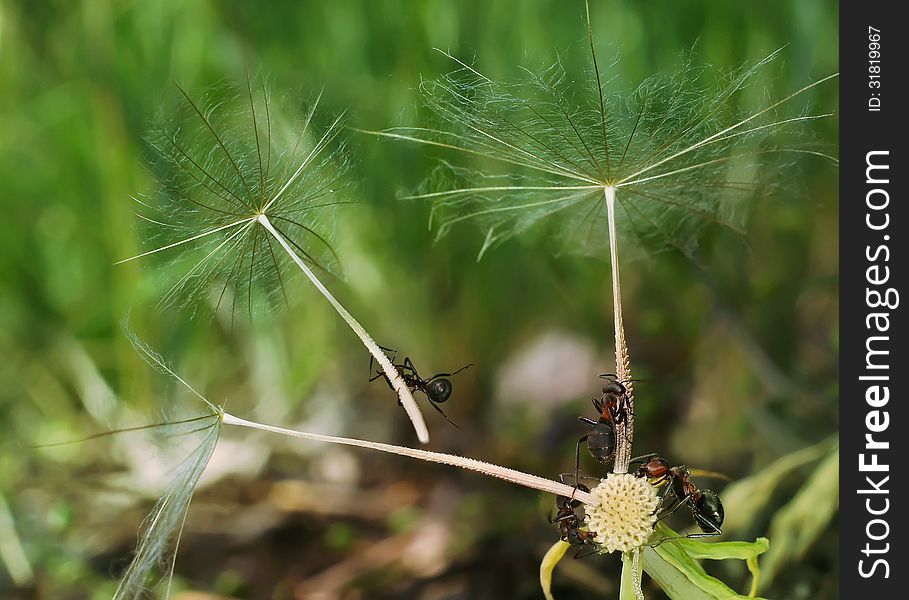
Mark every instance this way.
x=705 y=505
x=614 y=407
x=570 y=522
x=437 y=388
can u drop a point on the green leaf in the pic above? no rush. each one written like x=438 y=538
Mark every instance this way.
x=673 y=565
x=724 y=550
x=673 y=581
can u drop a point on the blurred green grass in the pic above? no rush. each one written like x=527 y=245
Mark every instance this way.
x=738 y=369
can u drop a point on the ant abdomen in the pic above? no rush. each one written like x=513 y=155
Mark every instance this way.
x=709 y=512
x=438 y=390
x=601 y=442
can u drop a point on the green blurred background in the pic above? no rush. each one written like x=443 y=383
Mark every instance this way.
x=737 y=369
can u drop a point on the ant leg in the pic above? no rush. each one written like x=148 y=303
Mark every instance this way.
x=614 y=377
x=705 y=534
x=689 y=536
x=462 y=368
x=437 y=375
x=643 y=458
x=620 y=414
x=676 y=505
x=442 y=412
x=626 y=408
x=577 y=449
x=574 y=488
x=562 y=480
x=378 y=373
x=373 y=361
x=408 y=364
x=577 y=462
x=673 y=506
x=563 y=518
x=591 y=552
x=577 y=483
x=667 y=539
x=597 y=404
x=594 y=481
x=387 y=380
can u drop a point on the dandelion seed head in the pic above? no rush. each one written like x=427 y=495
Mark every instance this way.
x=536 y=153
x=220 y=161
x=622 y=513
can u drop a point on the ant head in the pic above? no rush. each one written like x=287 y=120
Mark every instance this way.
x=709 y=511
x=613 y=386
x=654 y=468
x=681 y=472
x=579 y=537
x=438 y=390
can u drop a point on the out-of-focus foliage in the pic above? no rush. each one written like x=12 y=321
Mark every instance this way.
x=735 y=358
x=798 y=525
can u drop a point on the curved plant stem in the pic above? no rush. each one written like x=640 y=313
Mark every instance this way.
x=625 y=430
x=407 y=400
x=510 y=475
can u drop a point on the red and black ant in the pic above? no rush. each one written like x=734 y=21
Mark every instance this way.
x=437 y=388
x=705 y=505
x=570 y=521
x=614 y=407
